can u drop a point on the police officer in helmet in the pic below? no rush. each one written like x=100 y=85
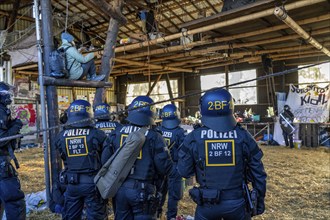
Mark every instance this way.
x=81 y=146
x=11 y=195
x=102 y=115
x=223 y=156
x=136 y=198
x=286 y=122
x=174 y=136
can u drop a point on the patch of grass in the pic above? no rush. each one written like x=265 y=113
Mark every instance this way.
x=298 y=183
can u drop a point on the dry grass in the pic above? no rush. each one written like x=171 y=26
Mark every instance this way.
x=298 y=184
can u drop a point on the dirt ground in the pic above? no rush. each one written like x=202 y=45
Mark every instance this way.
x=298 y=183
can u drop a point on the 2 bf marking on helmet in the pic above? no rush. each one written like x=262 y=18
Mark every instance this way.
x=219 y=105
x=78 y=108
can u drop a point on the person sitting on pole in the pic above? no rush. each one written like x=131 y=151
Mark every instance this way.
x=78 y=65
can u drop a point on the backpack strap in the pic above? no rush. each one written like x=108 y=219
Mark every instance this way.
x=66 y=60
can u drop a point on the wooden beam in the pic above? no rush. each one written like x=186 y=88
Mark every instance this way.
x=51 y=81
x=25 y=18
x=183 y=9
x=169 y=89
x=175 y=15
x=154 y=84
x=226 y=13
x=153 y=66
x=164 y=50
x=13 y=15
x=282 y=15
x=211 y=6
x=221 y=24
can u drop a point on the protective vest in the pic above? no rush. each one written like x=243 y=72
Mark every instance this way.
x=107 y=126
x=219 y=158
x=173 y=139
x=81 y=148
x=5 y=115
x=143 y=168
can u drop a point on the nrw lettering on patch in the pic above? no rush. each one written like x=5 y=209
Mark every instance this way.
x=76 y=146
x=107 y=130
x=220 y=153
x=122 y=140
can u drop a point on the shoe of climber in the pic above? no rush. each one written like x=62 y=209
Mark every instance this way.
x=97 y=77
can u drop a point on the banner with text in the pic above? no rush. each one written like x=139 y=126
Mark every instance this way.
x=310 y=104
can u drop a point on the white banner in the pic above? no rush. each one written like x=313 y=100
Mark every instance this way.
x=310 y=104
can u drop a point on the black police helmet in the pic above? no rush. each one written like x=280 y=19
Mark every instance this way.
x=77 y=111
x=217 y=109
x=6 y=93
x=139 y=115
x=169 y=117
x=101 y=111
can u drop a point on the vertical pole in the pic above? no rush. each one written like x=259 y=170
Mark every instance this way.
x=8 y=72
x=183 y=104
x=227 y=76
x=51 y=93
x=1 y=74
x=43 y=104
x=107 y=62
x=168 y=83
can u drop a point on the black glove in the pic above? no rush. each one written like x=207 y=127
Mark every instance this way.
x=260 y=206
x=16 y=122
x=15 y=127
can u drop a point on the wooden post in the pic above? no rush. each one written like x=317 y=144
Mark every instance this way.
x=154 y=84
x=13 y=16
x=51 y=92
x=109 y=50
x=169 y=89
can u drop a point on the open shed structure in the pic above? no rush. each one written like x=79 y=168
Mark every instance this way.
x=181 y=40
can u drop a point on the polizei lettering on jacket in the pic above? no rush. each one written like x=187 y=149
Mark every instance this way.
x=167 y=134
x=106 y=124
x=76 y=132
x=211 y=134
x=129 y=129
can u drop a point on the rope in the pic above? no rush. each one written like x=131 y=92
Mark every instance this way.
x=67 y=15
x=168 y=100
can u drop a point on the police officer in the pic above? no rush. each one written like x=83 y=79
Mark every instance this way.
x=286 y=121
x=11 y=195
x=174 y=136
x=219 y=153
x=102 y=114
x=136 y=198
x=81 y=146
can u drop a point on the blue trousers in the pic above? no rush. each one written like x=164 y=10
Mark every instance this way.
x=89 y=69
x=12 y=197
x=78 y=195
x=175 y=193
x=226 y=210
x=132 y=204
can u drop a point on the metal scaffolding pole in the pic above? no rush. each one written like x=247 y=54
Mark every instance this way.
x=42 y=101
x=51 y=94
